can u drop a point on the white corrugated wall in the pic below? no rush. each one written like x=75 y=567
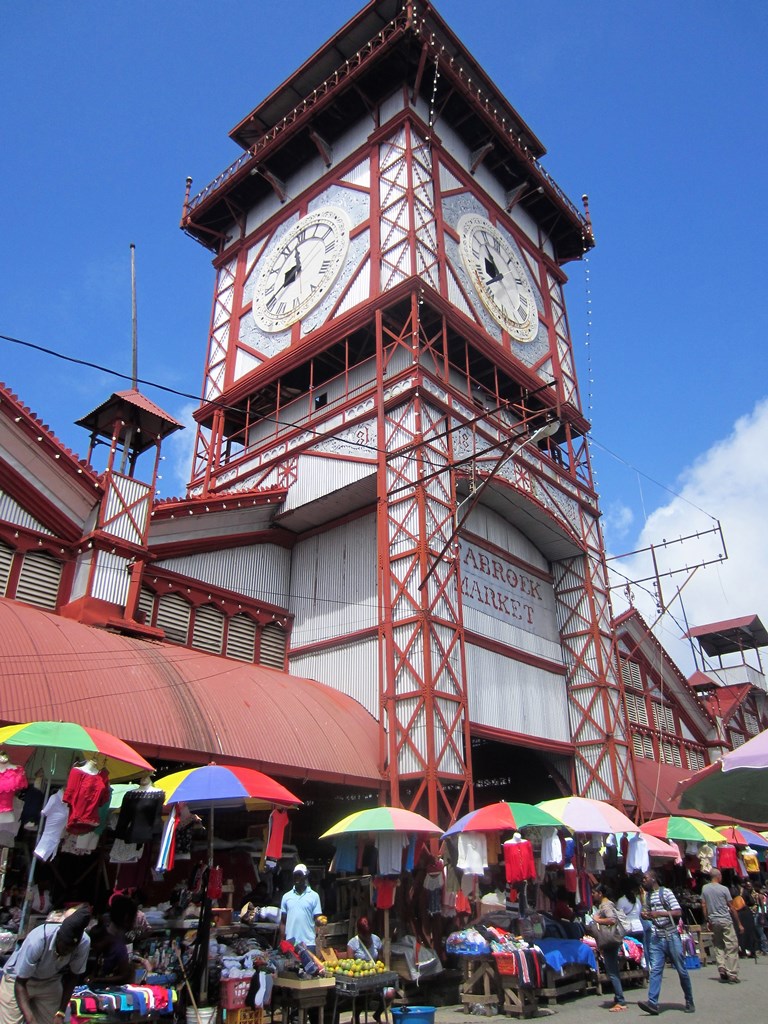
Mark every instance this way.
x=260 y=571
x=508 y=694
x=351 y=668
x=333 y=583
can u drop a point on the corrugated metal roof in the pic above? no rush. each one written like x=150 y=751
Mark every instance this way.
x=137 y=411
x=731 y=636
x=180 y=704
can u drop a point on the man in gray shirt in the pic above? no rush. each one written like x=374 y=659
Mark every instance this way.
x=723 y=921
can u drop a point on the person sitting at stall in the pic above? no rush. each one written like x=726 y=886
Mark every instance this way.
x=365 y=945
x=40 y=976
x=110 y=962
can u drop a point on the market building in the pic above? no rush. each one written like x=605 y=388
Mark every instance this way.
x=387 y=573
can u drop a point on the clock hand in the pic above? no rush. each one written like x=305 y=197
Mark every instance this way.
x=291 y=275
x=495 y=279
x=490 y=267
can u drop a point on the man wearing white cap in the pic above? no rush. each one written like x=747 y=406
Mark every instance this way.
x=300 y=910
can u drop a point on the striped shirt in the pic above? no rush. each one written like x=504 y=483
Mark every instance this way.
x=662 y=899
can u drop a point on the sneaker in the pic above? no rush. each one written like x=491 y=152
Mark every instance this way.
x=651 y=1008
x=734 y=980
x=690 y=1008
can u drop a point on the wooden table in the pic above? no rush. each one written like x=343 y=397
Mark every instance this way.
x=479 y=982
x=301 y=994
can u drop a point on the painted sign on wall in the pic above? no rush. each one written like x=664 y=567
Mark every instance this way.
x=502 y=590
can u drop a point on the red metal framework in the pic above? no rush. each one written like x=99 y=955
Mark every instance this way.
x=423 y=690
x=603 y=764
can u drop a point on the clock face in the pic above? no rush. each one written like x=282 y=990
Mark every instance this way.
x=499 y=277
x=300 y=269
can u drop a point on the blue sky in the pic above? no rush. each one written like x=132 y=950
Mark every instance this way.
x=656 y=110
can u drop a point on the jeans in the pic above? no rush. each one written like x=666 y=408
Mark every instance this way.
x=663 y=945
x=610 y=956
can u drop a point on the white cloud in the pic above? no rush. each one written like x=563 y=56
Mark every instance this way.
x=617 y=521
x=178 y=450
x=729 y=483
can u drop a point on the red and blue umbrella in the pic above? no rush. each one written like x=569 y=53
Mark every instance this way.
x=737 y=835
x=504 y=816
x=223 y=786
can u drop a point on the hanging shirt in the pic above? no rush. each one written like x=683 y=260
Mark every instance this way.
x=345 y=857
x=750 y=861
x=473 y=853
x=85 y=793
x=55 y=814
x=518 y=860
x=138 y=813
x=390 y=846
x=637 y=855
x=12 y=781
x=726 y=857
x=34 y=799
x=551 y=847
x=278 y=822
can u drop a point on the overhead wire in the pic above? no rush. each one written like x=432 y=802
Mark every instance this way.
x=401 y=453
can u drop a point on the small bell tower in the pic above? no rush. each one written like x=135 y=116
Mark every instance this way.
x=114 y=548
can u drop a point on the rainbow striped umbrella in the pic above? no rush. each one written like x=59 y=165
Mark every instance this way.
x=740 y=836
x=46 y=739
x=382 y=819
x=686 y=830
x=504 y=817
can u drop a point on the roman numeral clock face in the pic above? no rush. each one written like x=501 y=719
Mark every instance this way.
x=499 y=277
x=300 y=269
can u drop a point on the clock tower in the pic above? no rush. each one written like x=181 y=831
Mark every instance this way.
x=389 y=346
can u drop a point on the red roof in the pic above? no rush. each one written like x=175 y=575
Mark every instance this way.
x=731 y=636
x=180 y=704
x=724 y=701
x=656 y=784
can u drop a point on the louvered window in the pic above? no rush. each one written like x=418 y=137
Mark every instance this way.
x=751 y=723
x=6 y=557
x=630 y=672
x=642 y=745
x=39 y=580
x=663 y=718
x=273 y=646
x=241 y=638
x=208 y=630
x=670 y=754
x=736 y=738
x=173 y=617
x=636 y=709
x=147 y=605
x=695 y=760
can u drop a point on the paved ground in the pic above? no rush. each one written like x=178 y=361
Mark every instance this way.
x=715 y=1003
